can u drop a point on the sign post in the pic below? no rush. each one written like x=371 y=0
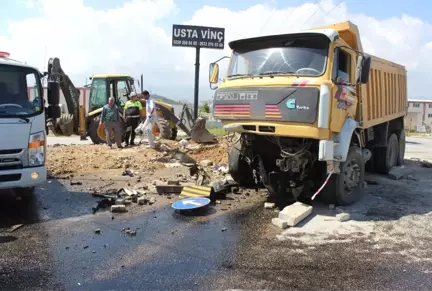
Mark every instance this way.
x=198 y=37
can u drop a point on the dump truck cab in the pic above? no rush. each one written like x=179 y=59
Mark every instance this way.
x=299 y=102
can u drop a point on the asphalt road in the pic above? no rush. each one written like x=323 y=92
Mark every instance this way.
x=57 y=249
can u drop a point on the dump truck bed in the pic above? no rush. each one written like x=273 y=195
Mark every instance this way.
x=384 y=97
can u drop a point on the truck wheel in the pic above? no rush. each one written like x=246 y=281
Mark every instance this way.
x=238 y=167
x=386 y=157
x=346 y=188
x=401 y=156
x=162 y=128
x=93 y=132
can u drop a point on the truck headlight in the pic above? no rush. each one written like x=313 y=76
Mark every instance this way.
x=36 y=149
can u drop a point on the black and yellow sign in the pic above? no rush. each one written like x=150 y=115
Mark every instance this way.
x=196 y=191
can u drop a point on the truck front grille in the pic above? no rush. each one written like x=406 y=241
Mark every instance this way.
x=11 y=159
x=10 y=178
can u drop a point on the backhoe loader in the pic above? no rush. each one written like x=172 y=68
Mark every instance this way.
x=79 y=122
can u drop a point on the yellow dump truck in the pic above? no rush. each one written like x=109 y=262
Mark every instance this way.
x=313 y=112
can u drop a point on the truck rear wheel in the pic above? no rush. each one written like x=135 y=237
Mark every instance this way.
x=239 y=169
x=401 y=155
x=347 y=187
x=386 y=157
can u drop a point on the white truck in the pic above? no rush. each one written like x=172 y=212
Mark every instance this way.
x=23 y=125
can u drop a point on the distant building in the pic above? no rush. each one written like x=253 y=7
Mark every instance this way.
x=419 y=114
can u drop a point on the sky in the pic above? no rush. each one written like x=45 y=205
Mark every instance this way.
x=134 y=36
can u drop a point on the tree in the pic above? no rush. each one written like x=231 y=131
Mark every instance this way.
x=205 y=108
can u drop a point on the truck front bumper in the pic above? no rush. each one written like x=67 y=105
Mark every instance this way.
x=22 y=178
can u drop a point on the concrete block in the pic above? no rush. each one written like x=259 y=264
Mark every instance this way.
x=295 y=213
x=282 y=224
x=269 y=205
x=397 y=173
x=118 y=208
x=343 y=217
x=142 y=200
x=119 y=201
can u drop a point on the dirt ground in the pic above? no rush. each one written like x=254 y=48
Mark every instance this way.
x=69 y=161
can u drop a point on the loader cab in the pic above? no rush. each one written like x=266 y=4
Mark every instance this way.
x=104 y=86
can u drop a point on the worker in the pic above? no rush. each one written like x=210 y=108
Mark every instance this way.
x=110 y=118
x=132 y=117
x=150 y=118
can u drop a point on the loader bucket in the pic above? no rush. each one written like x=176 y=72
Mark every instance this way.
x=200 y=134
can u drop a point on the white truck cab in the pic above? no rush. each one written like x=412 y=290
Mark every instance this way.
x=22 y=127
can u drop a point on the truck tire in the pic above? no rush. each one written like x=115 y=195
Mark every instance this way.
x=401 y=156
x=386 y=157
x=92 y=132
x=162 y=128
x=238 y=167
x=347 y=187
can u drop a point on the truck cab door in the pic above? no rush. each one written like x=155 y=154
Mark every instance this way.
x=345 y=95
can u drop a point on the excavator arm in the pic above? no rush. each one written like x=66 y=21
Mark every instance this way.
x=67 y=124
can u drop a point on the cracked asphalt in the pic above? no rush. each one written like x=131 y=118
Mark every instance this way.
x=387 y=245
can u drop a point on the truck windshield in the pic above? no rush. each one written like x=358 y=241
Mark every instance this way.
x=306 y=56
x=21 y=91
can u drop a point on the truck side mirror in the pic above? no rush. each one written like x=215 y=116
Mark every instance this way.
x=214 y=73
x=363 y=68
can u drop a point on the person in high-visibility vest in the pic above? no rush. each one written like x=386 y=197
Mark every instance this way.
x=132 y=117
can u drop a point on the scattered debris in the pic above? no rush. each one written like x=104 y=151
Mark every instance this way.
x=164 y=189
x=269 y=205
x=343 y=217
x=398 y=173
x=128 y=172
x=118 y=208
x=142 y=200
x=206 y=163
x=152 y=200
x=14 y=227
x=173 y=182
x=282 y=224
x=130 y=232
x=412 y=178
x=72 y=183
x=295 y=213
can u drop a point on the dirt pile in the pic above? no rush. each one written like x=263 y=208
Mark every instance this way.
x=66 y=161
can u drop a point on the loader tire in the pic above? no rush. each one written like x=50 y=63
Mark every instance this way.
x=162 y=128
x=173 y=133
x=386 y=157
x=347 y=187
x=239 y=169
x=93 y=132
x=401 y=155
x=66 y=124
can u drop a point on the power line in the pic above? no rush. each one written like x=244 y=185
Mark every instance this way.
x=292 y=12
x=313 y=14
x=325 y=12
x=265 y=24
